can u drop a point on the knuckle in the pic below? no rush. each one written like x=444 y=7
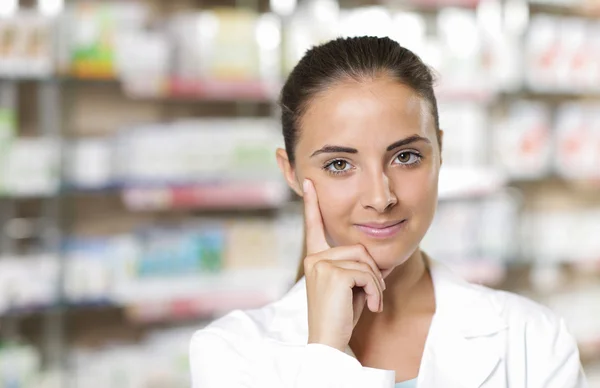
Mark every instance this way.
x=361 y=250
x=308 y=263
x=321 y=266
x=364 y=267
x=337 y=273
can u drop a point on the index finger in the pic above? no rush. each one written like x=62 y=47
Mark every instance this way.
x=315 y=231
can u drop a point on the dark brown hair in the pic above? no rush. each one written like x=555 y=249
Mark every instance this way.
x=359 y=59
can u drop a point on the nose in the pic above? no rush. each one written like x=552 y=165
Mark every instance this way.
x=378 y=193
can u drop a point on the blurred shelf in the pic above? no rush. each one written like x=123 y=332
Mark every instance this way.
x=550 y=95
x=191 y=90
x=172 y=90
x=484 y=272
x=176 y=298
x=437 y=4
x=25 y=197
x=452 y=94
x=248 y=195
x=458 y=182
x=203 y=296
x=206 y=306
x=587 y=9
x=426 y=5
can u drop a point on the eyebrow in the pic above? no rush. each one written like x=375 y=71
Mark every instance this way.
x=408 y=140
x=348 y=150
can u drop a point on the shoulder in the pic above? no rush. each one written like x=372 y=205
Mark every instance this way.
x=226 y=352
x=283 y=320
x=549 y=350
x=518 y=309
x=237 y=327
x=486 y=304
x=242 y=347
x=538 y=326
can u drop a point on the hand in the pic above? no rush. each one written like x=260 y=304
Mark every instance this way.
x=338 y=281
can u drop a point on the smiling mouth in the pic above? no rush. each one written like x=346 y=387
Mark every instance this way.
x=385 y=230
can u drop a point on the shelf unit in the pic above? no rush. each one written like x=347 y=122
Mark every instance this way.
x=63 y=113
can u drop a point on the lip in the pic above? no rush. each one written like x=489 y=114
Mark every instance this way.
x=382 y=230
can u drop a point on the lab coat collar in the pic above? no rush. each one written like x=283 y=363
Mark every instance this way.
x=463 y=340
x=464 y=345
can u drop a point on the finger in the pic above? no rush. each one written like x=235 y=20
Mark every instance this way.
x=358 y=253
x=359 y=299
x=359 y=266
x=369 y=284
x=315 y=231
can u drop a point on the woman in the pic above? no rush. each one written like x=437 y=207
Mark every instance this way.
x=363 y=149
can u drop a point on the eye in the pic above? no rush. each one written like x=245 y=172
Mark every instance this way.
x=337 y=166
x=408 y=158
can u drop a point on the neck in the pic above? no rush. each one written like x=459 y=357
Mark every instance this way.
x=408 y=295
x=407 y=287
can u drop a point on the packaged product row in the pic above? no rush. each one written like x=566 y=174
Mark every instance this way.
x=193 y=260
x=238 y=52
x=27 y=46
x=193 y=151
x=241 y=46
x=477 y=238
x=562 y=55
x=158 y=360
x=226 y=51
x=534 y=140
x=562 y=236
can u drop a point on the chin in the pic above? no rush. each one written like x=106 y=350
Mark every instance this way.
x=390 y=256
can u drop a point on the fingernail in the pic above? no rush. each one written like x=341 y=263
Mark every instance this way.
x=305 y=185
x=382 y=283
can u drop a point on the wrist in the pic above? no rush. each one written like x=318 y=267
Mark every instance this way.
x=328 y=342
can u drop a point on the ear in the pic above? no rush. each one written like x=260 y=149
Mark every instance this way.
x=288 y=171
x=441 y=134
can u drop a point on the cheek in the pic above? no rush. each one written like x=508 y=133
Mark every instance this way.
x=418 y=191
x=337 y=198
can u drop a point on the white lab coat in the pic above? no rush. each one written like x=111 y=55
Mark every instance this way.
x=478 y=338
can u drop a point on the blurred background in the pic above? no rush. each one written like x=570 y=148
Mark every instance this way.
x=140 y=197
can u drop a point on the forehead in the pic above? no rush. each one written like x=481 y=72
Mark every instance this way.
x=374 y=111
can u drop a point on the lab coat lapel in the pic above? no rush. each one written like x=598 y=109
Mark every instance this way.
x=466 y=338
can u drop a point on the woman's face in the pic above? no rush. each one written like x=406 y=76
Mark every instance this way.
x=371 y=150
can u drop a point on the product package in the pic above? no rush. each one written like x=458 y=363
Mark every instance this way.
x=90 y=164
x=522 y=141
x=27 y=176
x=92 y=29
x=20 y=365
x=89 y=270
x=465 y=127
x=561 y=55
x=577 y=141
x=28 y=282
x=477 y=238
x=26 y=46
x=199 y=151
x=7 y=134
x=225 y=53
x=313 y=23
